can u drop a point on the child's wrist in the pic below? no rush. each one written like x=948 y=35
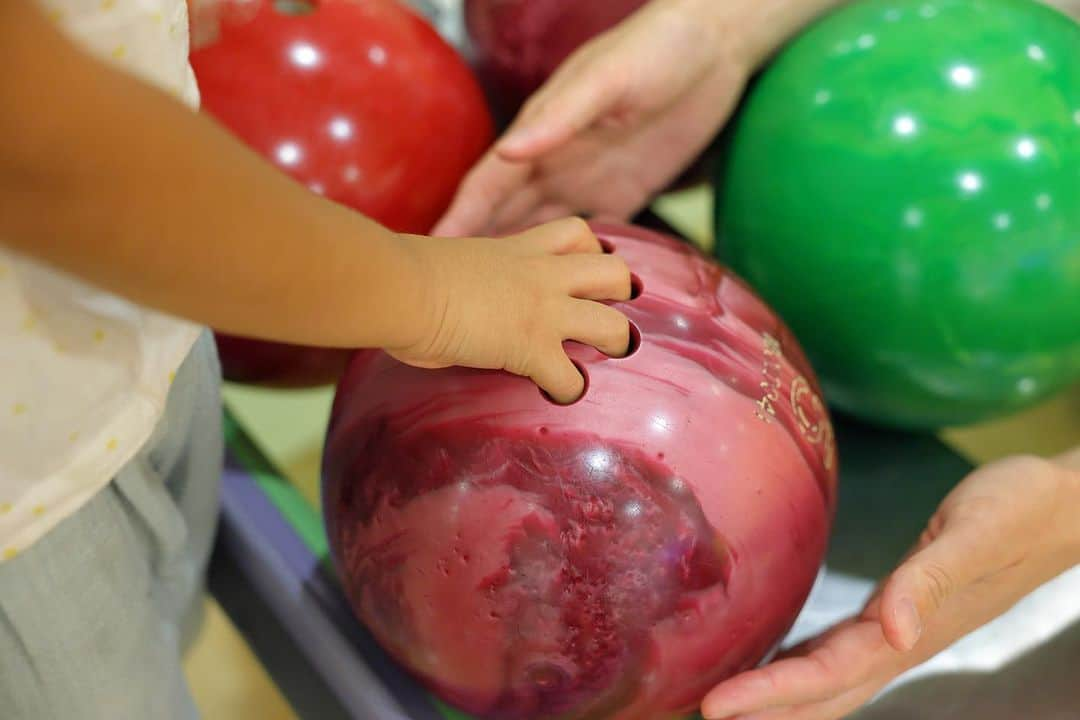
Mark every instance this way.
x=421 y=304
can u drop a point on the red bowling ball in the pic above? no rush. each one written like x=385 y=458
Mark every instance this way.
x=614 y=558
x=519 y=43
x=361 y=101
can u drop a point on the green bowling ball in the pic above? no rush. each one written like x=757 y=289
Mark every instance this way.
x=903 y=185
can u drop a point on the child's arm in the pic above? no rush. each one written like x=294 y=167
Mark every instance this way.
x=117 y=183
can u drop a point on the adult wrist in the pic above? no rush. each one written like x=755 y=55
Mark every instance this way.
x=722 y=27
x=753 y=30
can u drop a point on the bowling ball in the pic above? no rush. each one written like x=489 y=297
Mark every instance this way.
x=279 y=365
x=518 y=44
x=613 y=558
x=362 y=102
x=901 y=185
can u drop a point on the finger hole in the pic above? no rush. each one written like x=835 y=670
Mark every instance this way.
x=607 y=246
x=584 y=388
x=636 y=287
x=635 y=341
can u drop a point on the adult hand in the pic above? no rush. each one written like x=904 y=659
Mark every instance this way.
x=617 y=122
x=1005 y=530
x=625 y=114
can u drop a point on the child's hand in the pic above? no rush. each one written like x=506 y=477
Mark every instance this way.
x=509 y=304
x=1007 y=529
x=618 y=121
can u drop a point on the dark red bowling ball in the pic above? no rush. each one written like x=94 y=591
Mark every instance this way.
x=614 y=558
x=361 y=101
x=520 y=43
x=279 y=365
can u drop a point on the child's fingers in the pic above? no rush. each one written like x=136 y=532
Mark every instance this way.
x=566 y=236
x=600 y=326
x=557 y=376
x=594 y=277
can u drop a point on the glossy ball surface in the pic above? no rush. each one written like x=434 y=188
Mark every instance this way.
x=902 y=185
x=361 y=101
x=614 y=558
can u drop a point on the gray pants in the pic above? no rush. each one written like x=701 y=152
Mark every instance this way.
x=95 y=615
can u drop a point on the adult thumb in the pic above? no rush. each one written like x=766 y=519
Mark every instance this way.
x=927 y=579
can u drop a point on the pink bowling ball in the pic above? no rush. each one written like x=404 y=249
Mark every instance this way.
x=615 y=558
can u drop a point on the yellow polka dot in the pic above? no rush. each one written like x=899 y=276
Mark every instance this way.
x=39 y=510
x=10 y=552
x=29 y=323
x=172 y=377
x=111 y=445
x=119 y=52
x=73 y=437
x=99 y=335
x=3 y=271
x=18 y=409
x=107 y=5
x=59 y=347
x=5 y=508
x=158 y=18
